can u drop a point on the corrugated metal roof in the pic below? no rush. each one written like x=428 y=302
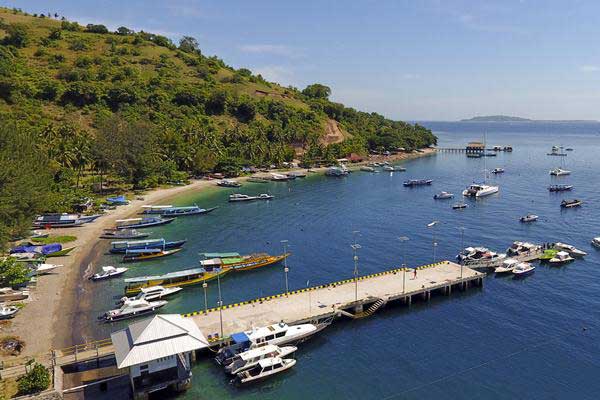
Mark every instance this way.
x=161 y=336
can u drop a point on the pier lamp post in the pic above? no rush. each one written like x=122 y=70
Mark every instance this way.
x=355 y=248
x=462 y=246
x=433 y=242
x=285 y=267
x=309 y=305
x=403 y=239
x=220 y=303
x=204 y=286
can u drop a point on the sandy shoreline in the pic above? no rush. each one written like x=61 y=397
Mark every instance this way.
x=61 y=298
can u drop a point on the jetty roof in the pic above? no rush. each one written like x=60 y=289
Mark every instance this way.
x=161 y=336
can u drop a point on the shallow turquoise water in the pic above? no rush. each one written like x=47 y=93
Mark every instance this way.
x=513 y=339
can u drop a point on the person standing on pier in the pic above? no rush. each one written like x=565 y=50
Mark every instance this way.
x=415 y=273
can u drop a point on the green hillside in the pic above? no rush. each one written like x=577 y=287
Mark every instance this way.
x=83 y=103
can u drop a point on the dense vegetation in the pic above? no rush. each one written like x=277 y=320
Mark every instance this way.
x=36 y=380
x=80 y=105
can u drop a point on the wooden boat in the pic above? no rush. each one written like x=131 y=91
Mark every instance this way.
x=185 y=211
x=124 y=246
x=123 y=234
x=417 y=182
x=257 y=180
x=59 y=221
x=228 y=183
x=158 y=209
x=146 y=222
x=240 y=263
x=61 y=253
x=9 y=294
x=570 y=203
x=236 y=197
x=188 y=277
x=147 y=254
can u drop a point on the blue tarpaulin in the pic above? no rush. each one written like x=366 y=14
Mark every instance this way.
x=240 y=337
x=23 y=249
x=50 y=248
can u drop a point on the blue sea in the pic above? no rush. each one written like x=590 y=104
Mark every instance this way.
x=533 y=338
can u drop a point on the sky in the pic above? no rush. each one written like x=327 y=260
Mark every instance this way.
x=406 y=59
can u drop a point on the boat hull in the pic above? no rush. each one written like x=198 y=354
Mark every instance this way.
x=146 y=225
x=135 y=289
x=258 y=263
x=148 y=257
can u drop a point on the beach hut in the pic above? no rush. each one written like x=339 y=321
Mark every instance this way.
x=158 y=353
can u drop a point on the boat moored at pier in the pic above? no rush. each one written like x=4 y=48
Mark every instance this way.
x=237 y=262
x=183 y=278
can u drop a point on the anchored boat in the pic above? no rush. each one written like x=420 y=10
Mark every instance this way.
x=560 y=188
x=155 y=209
x=572 y=250
x=417 y=182
x=187 y=277
x=529 y=218
x=237 y=262
x=570 y=203
x=443 y=195
x=145 y=222
x=244 y=197
x=228 y=183
x=147 y=254
x=123 y=234
x=252 y=357
x=124 y=246
x=185 y=211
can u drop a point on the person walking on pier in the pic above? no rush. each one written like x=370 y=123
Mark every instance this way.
x=415 y=273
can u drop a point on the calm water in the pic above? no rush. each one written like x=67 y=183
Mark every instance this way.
x=514 y=339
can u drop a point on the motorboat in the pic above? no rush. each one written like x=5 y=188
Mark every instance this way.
x=336 y=171
x=123 y=234
x=366 y=168
x=228 y=183
x=572 y=250
x=570 y=203
x=8 y=312
x=152 y=293
x=519 y=248
x=498 y=171
x=497 y=148
x=523 y=268
x=42 y=269
x=560 y=188
x=417 y=182
x=529 y=218
x=185 y=211
x=145 y=222
x=559 y=171
x=236 y=197
x=480 y=257
x=280 y=177
x=133 y=308
x=443 y=196
x=508 y=265
x=568 y=149
x=10 y=294
x=562 y=257
x=489 y=154
x=264 y=369
x=108 y=272
x=252 y=357
x=596 y=242
x=147 y=254
x=296 y=174
x=126 y=245
x=459 y=206
x=480 y=190
x=59 y=220
x=276 y=334
x=508 y=148
x=155 y=209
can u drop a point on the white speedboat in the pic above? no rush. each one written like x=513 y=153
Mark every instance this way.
x=336 y=171
x=443 y=195
x=596 y=242
x=366 y=168
x=529 y=218
x=572 y=250
x=480 y=257
x=518 y=249
x=498 y=171
x=250 y=358
x=561 y=257
x=8 y=312
x=108 y=272
x=41 y=269
x=133 y=308
x=480 y=190
x=152 y=293
x=277 y=334
x=244 y=197
x=264 y=369
x=523 y=268
x=459 y=206
x=507 y=265
x=559 y=171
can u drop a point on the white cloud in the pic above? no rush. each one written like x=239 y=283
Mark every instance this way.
x=589 y=68
x=276 y=49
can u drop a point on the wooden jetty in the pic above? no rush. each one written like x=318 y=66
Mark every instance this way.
x=355 y=298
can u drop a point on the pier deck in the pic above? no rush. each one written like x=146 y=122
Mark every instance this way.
x=336 y=298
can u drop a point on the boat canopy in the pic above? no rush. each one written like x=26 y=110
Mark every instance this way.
x=228 y=261
x=219 y=255
x=240 y=338
x=129 y=220
x=170 y=275
x=151 y=207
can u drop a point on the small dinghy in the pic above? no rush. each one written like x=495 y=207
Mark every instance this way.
x=108 y=272
x=570 y=203
x=523 y=269
x=459 y=206
x=596 y=242
x=529 y=218
x=443 y=196
x=264 y=369
x=498 y=171
x=8 y=312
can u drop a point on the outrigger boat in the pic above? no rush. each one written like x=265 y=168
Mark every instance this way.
x=158 y=209
x=237 y=262
x=123 y=234
x=124 y=246
x=184 y=211
x=147 y=254
x=187 y=277
x=146 y=222
x=244 y=197
x=62 y=220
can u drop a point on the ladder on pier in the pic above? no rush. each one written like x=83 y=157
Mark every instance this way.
x=371 y=310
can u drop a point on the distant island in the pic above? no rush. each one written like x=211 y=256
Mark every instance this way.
x=508 y=118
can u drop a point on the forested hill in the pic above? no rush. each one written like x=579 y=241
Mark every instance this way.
x=143 y=110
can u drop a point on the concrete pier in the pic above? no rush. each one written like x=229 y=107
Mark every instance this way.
x=356 y=298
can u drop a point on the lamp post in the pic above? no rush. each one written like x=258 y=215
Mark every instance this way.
x=434 y=244
x=309 y=305
x=355 y=248
x=403 y=239
x=220 y=302
x=204 y=286
x=462 y=246
x=285 y=267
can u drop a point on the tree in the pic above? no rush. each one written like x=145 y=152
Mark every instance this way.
x=124 y=31
x=119 y=96
x=80 y=94
x=16 y=35
x=13 y=273
x=217 y=102
x=36 y=380
x=189 y=44
x=317 y=91
x=93 y=28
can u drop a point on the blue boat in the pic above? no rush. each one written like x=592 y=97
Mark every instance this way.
x=117 y=200
x=146 y=222
x=162 y=244
x=184 y=211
